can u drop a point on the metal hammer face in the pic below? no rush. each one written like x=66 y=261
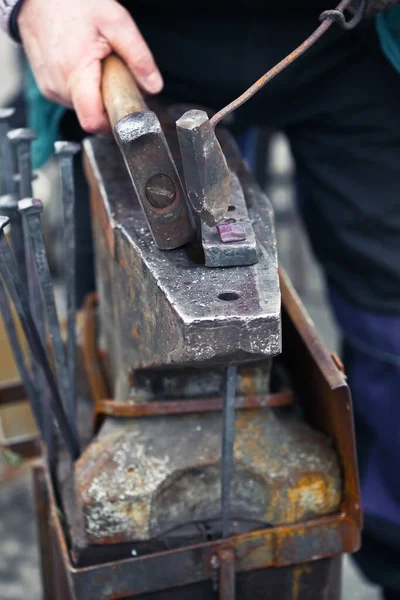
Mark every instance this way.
x=204 y=166
x=155 y=179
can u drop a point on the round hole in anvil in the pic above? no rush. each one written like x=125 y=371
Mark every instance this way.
x=229 y=220
x=229 y=296
x=231 y=208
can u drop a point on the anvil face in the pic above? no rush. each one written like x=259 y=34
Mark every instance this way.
x=166 y=308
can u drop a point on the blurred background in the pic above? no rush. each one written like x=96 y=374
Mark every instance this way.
x=19 y=559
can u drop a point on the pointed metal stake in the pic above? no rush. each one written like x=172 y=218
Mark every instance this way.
x=9 y=188
x=7 y=158
x=31 y=210
x=65 y=152
x=18 y=294
x=22 y=139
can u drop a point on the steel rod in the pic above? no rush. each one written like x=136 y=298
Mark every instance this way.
x=21 y=141
x=228 y=440
x=30 y=210
x=7 y=185
x=17 y=292
x=66 y=152
x=278 y=68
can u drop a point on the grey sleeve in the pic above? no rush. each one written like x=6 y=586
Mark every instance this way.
x=6 y=9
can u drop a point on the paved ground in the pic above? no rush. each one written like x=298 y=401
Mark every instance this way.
x=19 y=562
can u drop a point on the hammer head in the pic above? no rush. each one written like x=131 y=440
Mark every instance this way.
x=155 y=179
x=204 y=167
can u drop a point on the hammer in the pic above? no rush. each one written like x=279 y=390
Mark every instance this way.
x=147 y=157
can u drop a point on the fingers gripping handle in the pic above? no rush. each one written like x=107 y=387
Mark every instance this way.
x=121 y=95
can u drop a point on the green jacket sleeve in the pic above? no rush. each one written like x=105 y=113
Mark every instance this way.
x=388 y=28
x=44 y=118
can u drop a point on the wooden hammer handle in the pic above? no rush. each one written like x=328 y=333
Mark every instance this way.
x=121 y=95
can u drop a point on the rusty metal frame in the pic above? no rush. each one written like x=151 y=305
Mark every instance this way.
x=320 y=383
x=95 y=361
x=324 y=394
x=275 y=547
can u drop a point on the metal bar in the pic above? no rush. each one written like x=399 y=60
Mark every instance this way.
x=37 y=312
x=228 y=439
x=281 y=66
x=8 y=202
x=66 y=152
x=22 y=139
x=185 y=406
x=9 y=208
x=44 y=531
x=31 y=210
x=7 y=185
x=227 y=574
x=9 y=273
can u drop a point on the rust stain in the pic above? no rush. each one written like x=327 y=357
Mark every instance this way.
x=248 y=383
x=315 y=489
x=336 y=359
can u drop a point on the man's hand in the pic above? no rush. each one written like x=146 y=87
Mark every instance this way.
x=65 y=42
